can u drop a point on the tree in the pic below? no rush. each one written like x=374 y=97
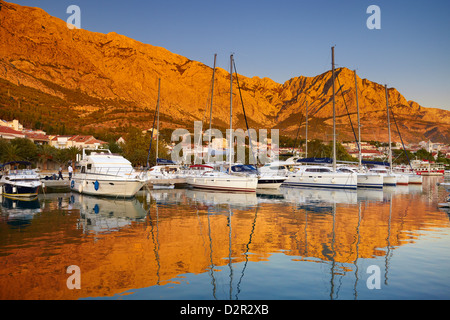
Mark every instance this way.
x=45 y=153
x=26 y=149
x=136 y=148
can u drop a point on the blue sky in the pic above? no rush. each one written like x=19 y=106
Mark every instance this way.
x=282 y=39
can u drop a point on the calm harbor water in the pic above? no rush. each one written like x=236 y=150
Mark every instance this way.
x=183 y=244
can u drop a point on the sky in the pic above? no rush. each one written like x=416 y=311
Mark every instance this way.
x=283 y=39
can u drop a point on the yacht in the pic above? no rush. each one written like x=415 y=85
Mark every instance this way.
x=364 y=179
x=217 y=180
x=19 y=183
x=267 y=179
x=224 y=179
x=321 y=177
x=389 y=178
x=102 y=173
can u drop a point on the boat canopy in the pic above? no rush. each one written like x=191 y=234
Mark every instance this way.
x=164 y=161
x=376 y=163
x=244 y=168
x=315 y=160
x=25 y=163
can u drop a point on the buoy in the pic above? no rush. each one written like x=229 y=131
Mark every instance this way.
x=80 y=188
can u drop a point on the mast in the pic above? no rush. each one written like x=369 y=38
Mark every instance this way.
x=389 y=129
x=157 y=125
x=210 y=111
x=231 y=108
x=306 y=131
x=359 y=124
x=334 y=112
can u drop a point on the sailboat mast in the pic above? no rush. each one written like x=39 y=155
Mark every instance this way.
x=157 y=125
x=334 y=112
x=210 y=111
x=306 y=131
x=389 y=129
x=359 y=124
x=231 y=109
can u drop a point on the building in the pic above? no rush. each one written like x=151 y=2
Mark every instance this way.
x=9 y=133
x=78 y=141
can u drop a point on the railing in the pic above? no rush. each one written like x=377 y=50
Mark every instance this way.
x=115 y=171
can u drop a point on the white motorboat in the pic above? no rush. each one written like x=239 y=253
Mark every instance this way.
x=102 y=173
x=20 y=183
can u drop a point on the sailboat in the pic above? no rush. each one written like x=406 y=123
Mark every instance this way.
x=389 y=177
x=219 y=180
x=165 y=174
x=323 y=176
x=364 y=179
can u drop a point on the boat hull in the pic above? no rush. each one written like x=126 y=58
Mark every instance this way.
x=389 y=180
x=21 y=191
x=370 y=181
x=270 y=182
x=126 y=188
x=238 y=184
x=322 y=180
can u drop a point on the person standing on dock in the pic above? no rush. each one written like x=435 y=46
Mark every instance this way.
x=60 y=174
x=70 y=169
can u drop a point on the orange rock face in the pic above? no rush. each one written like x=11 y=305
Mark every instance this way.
x=41 y=52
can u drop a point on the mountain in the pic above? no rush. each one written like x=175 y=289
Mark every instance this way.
x=81 y=80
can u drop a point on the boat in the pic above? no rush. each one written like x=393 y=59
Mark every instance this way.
x=101 y=173
x=322 y=175
x=165 y=175
x=19 y=183
x=389 y=178
x=223 y=178
x=267 y=179
x=426 y=168
x=364 y=179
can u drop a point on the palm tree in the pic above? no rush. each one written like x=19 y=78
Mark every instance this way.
x=10 y=153
x=45 y=153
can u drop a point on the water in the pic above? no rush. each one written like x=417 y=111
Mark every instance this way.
x=181 y=244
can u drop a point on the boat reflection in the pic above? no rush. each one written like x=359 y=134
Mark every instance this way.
x=19 y=212
x=105 y=214
x=235 y=200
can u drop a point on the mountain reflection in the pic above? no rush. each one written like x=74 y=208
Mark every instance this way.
x=124 y=245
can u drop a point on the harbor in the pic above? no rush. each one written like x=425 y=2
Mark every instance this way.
x=185 y=243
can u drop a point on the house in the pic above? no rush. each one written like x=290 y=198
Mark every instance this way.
x=78 y=141
x=9 y=133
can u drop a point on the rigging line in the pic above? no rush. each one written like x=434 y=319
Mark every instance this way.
x=348 y=113
x=296 y=137
x=151 y=138
x=398 y=130
x=246 y=122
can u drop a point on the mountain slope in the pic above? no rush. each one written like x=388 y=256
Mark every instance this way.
x=109 y=81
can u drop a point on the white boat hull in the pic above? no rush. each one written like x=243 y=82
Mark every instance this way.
x=270 y=182
x=402 y=179
x=224 y=182
x=367 y=180
x=389 y=180
x=126 y=188
x=322 y=180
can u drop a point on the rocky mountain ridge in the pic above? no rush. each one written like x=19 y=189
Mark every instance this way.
x=109 y=78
